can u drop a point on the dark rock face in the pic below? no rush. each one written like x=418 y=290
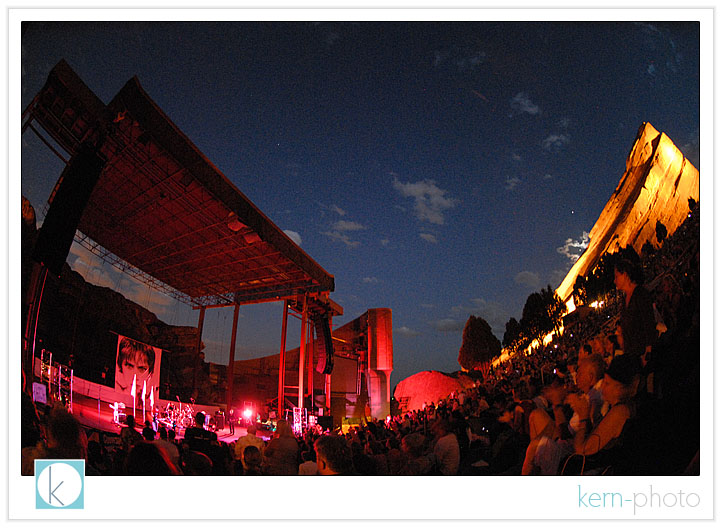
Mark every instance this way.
x=79 y=323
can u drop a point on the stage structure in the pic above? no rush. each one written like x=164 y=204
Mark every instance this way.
x=139 y=194
x=357 y=388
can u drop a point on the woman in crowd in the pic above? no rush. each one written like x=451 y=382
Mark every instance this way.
x=618 y=389
x=544 y=453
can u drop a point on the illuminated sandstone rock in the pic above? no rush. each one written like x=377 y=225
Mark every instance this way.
x=656 y=186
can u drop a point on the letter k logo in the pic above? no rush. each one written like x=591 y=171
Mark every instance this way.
x=51 y=491
x=59 y=484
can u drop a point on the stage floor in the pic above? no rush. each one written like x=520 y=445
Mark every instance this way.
x=92 y=415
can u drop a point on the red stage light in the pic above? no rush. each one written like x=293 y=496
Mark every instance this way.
x=248 y=413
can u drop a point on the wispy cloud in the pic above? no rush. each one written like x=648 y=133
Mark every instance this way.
x=335 y=208
x=572 y=249
x=340 y=229
x=548 y=176
x=555 y=142
x=405 y=331
x=528 y=278
x=564 y=122
x=516 y=157
x=430 y=201
x=293 y=235
x=511 y=182
x=370 y=280
x=448 y=325
x=385 y=241
x=522 y=104
x=341 y=237
x=429 y=238
x=345 y=225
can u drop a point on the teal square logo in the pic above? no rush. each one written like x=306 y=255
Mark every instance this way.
x=59 y=484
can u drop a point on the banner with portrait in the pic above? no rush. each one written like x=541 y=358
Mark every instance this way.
x=137 y=364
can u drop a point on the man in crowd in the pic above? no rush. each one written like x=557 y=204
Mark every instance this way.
x=198 y=438
x=333 y=456
x=250 y=439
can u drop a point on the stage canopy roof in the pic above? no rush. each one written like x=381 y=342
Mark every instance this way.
x=162 y=211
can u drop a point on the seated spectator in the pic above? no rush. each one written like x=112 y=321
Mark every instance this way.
x=309 y=466
x=169 y=447
x=249 y=439
x=412 y=445
x=65 y=439
x=146 y=458
x=618 y=389
x=148 y=433
x=197 y=463
x=446 y=448
x=252 y=460
x=544 y=453
x=394 y=456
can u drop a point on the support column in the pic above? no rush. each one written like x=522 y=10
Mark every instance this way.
x=327 y=389
x=231 y=359
x=199 y=343
x=302 y=351
x=282 y=362
x=35 y=296
x=311 y=364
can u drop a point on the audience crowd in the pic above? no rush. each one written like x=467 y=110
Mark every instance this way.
x=579 y=405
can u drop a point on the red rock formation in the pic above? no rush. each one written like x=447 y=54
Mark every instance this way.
x=428 y=386
x=656 y=186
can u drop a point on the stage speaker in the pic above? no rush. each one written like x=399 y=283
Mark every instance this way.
x=72 y=195
x=324 y=345
x=326 y=422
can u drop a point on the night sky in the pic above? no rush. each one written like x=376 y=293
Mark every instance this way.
x=437 y=169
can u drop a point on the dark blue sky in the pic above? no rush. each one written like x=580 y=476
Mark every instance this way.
x=437 y=169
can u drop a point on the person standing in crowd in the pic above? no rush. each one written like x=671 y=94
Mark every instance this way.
x=636 y=319
x=231 y=420
x=128 y=435
x=281 y=454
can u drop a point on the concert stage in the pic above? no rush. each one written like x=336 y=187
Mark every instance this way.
x=93 y=415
